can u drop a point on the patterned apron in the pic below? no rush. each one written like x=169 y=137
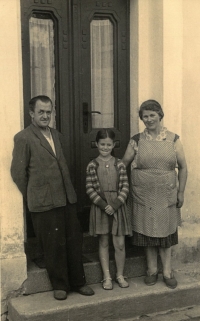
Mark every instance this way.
x=153 y=194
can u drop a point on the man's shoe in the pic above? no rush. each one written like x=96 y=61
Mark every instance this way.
x=60 y=295
x=84 y=290
x=151 y=279
x=170 y=282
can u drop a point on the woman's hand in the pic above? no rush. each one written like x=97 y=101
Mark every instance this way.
x=180 y=199
x=130 y=153
x=109 y=210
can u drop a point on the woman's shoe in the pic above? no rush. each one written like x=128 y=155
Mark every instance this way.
x=151 y=279
x=60 y=295
x=122 y=283
x=170 y=282
x=107 y=284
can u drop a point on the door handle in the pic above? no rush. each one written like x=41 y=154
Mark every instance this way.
x=86 y=113
x=93 y=112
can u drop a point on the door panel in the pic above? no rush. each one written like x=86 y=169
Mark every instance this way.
x=53 y=21
x=58 y=13
x=104 y=80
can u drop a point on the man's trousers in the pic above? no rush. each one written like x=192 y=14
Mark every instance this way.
x=59 y=235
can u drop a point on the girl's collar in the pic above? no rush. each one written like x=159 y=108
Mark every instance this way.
x=105 y=160
x=160 y=137
x=97 y=163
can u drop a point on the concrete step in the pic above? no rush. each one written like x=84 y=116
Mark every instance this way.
x=38 y=280
x=119 y=304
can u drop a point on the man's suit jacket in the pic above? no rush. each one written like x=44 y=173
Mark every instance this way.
x=42 y=177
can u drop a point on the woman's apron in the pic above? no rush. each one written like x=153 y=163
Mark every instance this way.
x=153 y=194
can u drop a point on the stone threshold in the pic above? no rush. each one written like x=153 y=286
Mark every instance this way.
x=118 y=304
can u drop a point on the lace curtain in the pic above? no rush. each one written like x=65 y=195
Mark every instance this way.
x=42 y=62
x=102 y=87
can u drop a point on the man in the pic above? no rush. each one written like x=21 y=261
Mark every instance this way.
x=40 y=171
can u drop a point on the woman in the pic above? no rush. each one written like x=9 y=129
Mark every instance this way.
x=156 y=195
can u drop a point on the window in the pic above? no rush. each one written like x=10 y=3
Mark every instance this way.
x=102 y=76
x=42 y=59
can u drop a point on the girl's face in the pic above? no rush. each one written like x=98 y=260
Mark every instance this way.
x=105 y=146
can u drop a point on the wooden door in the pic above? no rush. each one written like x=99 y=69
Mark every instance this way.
x=101 y=70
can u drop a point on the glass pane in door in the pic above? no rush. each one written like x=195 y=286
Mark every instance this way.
x=42 y=60
x=102 y=82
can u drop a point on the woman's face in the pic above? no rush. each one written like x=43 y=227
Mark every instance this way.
x=151 y=119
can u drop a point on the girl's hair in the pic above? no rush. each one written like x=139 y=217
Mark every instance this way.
x=151 y=105
x=105 y=133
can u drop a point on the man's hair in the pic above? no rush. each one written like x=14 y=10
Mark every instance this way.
x=33 y=101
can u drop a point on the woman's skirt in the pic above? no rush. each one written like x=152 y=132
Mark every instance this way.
x=165 y=242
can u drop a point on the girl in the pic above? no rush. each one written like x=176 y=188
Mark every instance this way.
x=107 y=186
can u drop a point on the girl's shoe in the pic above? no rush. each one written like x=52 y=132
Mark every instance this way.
x=122 y=283
x=107 y=284
x=170 y=282
x=151 y=279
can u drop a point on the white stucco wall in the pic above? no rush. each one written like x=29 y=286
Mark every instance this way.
x=190 y=106
x=156 y=58
x=172 y=64
x=13 y=260
x=146 y=55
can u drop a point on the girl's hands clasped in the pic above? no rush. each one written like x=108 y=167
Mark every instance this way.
x=109 y=210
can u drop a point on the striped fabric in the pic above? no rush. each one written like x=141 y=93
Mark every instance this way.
x=94 y=190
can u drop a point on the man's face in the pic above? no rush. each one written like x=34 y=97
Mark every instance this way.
x=41 y=116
